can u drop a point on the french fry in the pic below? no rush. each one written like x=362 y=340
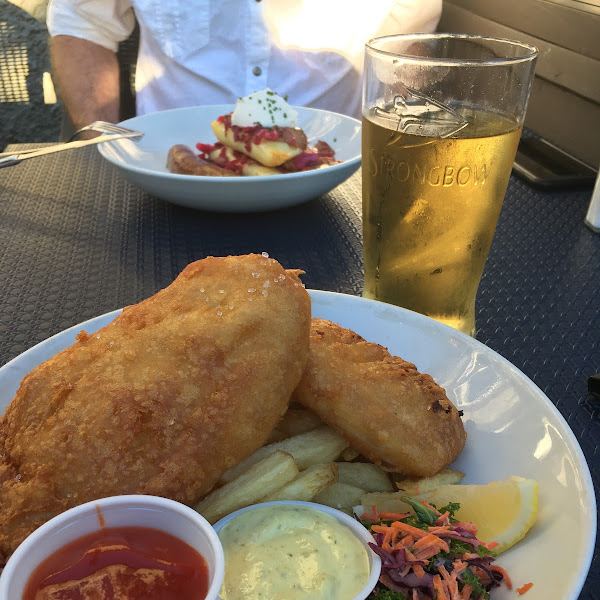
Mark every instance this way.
x=297 y=421
x=412 y=487
x=267 y=475
x=366 y=476
x=385 y=502
x=276 y=436
x=392 y=501
x=321 y=445
x=342 y=496
x=307 y=484
x=294 y=422
x=349 y=454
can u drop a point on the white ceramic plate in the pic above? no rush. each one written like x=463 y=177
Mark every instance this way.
x=143 y=162
x=512 y=427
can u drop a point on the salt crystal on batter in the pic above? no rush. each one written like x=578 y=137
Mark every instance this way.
x=219 y=313
x=264 y=292
x=265 y=254
x=255 y=275
x=266 y=283
x=251 y=290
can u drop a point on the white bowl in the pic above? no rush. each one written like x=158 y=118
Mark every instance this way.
x=144 y=161
x=117 y=511
x=357 y=529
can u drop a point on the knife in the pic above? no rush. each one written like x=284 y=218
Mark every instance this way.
x=14 y=158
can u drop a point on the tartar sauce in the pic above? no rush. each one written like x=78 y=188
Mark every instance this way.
x=291 y=553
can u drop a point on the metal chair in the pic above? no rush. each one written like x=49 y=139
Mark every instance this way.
x=25 y=114
x=127 y=57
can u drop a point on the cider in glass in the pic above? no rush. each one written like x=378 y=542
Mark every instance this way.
x=442 y=117
x=430 y=207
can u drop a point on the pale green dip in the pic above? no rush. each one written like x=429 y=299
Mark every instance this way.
x=291 y=553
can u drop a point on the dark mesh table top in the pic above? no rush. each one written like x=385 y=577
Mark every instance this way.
x=77 y=240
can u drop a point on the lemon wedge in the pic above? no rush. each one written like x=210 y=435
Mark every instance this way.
x=504 y=511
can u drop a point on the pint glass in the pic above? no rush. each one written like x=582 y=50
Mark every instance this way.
x=442 y=117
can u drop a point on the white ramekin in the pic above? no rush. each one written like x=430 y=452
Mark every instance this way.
x=117 y=511
x=355 y=526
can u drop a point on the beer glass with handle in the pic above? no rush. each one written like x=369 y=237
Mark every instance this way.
x=442 y=118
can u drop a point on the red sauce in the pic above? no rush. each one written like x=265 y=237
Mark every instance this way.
x=122 y=563
x=235 y=164
x=205 y=149
x=100 y=516
x=309 y=159
x=257 y=134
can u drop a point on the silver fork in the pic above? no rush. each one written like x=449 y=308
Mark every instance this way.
x=8 y=159
x=105 y=127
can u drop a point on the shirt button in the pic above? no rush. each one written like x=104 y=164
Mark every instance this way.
x=256 y=71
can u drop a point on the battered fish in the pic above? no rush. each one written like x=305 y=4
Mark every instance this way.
x=394 y=415
x=163 y=400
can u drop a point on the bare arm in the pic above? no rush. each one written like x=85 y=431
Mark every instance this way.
x=87 y=78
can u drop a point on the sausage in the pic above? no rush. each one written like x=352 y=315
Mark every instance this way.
x=184 y=161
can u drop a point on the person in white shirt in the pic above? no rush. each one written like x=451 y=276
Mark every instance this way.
x=195 y=52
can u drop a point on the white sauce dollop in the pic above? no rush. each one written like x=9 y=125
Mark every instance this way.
x=265 y=108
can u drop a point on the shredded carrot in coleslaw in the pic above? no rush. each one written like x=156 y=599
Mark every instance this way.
x=430 y=555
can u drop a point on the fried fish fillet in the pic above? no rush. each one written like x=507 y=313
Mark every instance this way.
x=394 y=415
x=163 y=400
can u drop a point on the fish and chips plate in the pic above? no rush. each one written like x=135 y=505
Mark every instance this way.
x=512 y=429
